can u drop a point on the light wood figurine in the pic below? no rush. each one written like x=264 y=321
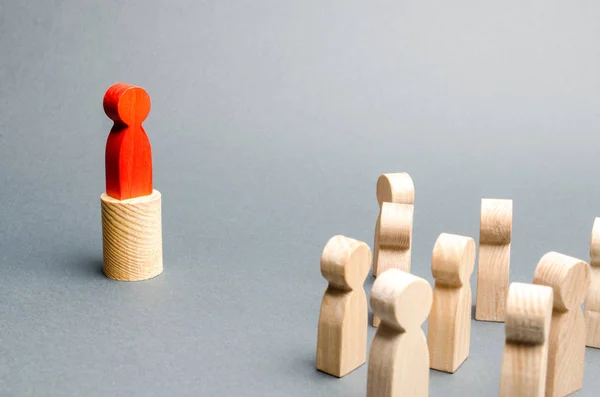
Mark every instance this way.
x=343 y=322
x=449 y=331
x=399 y=359
x=131 y=208
x=494 y=259
x=393 y=188
x=527 y=329
x=592 y=303
x=393 y=231
x=569 y=278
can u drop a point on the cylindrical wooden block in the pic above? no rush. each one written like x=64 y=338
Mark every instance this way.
x=132 y=237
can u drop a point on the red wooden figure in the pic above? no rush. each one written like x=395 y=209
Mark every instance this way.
x=128 y=153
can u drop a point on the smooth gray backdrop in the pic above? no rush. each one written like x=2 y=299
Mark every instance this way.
x=271 y=122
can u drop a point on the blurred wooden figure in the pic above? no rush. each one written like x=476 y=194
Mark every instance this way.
x=393 y=231
x=494 y=259
x=527 y=329
x=343 y=322
x=399 y=359
x=569 y=278
x=592 y=303
x=449 y=331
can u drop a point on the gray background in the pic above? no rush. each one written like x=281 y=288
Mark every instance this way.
x=271 y=122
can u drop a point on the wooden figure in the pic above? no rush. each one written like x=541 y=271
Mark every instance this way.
x=399 y=359
x=592 y=303
x=393 y=231
x=527 y=329
x=397 y=221
x=569 y=278
x=343 y=322
x=128 y=152
x=494 y=259
x=131 y=209
x=449 y=331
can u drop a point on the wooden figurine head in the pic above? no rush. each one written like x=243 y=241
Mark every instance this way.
x=395 y=188
x=595 y=244
x=401 y=300
x=453 y=260
x=345 y=263
x=496 y=221
x=126 y=104
x=569 y=278
x=528 y=313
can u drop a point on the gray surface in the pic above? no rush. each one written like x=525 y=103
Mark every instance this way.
x=271 y=122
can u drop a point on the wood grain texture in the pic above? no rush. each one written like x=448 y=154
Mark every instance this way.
x=494 y=259
x=395 y=232
x=128 y=157
x=132 y=237
x=343 y=320
x=393 y=188
x=569 y=278
x=592 y=303
x=399 y=358
x=449 y=331
x=527 y=330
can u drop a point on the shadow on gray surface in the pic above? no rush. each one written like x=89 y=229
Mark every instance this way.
x=435 y=374
x=84 y=266
x=307 y=362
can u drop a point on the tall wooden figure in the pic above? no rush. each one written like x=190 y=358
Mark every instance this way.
x=494 y=259
x=449 y=331
x=343 y=322
x=131 y=208
x=399 y=359
x=527 y=329
x=592 y=303
x=393 y=231
x=569 y=278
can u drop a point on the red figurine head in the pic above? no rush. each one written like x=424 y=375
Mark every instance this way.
x=128 y=151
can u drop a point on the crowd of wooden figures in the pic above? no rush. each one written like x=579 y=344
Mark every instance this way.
x=545 y=329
